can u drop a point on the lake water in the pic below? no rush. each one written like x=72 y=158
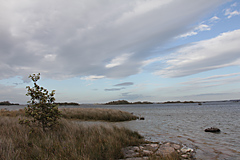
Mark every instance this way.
x=185 y=123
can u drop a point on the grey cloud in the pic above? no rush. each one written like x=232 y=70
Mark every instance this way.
x=13 y=94
x=125 y=84
x=114 y=89
x=79 y=38
x=212 y=96
x=134 y=97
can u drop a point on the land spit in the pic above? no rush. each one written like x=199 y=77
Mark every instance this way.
x=167 y=150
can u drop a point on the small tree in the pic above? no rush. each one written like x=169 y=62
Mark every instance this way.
x=41 y=107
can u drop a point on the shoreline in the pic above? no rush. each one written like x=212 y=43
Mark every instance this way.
x=155 y=150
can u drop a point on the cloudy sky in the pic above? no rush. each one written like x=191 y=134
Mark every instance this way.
x=93 y=51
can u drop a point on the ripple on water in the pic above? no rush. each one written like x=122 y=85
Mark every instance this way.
x=185 y=123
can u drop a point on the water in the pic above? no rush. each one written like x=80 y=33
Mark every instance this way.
x=185 y=123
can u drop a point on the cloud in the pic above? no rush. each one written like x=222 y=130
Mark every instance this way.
x=114 y=89
x=119 y=85
x=65 y=39
x=118 y=61
x=92 y=77
x=133 y=97
x=213 y=81
x=221 y=51
x=124 y=84
x=196 y=30
x=214 y=18
x=230 y=13
x=13 y=94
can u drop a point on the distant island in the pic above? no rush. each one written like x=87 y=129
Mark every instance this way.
x=8 y=103
x=67 y=104
x=122 y=102
x=181 y=102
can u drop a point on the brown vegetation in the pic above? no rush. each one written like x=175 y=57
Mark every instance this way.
x=95 y=114
x=12 y=113
x=69 y=140
x=110 y=115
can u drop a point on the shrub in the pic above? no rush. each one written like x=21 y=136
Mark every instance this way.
x=41 y=107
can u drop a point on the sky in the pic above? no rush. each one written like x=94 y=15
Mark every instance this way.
x=96 y=51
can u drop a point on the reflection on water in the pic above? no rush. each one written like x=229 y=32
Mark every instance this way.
x=185 y=123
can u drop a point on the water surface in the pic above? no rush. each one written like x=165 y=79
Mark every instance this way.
x=185 y=123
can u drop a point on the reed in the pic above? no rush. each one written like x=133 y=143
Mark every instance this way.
x=12 y=113
x=110 y=115
x=96 y=114
x=69 y=140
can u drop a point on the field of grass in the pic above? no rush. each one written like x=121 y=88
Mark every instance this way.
x=95 y=114
x=69 y=140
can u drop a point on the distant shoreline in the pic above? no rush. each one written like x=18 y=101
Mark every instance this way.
x=124 y=102
x=8 y=103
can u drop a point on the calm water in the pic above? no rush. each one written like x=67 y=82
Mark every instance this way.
x=185 y=123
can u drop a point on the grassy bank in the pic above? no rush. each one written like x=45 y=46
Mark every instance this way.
x=69 y=140
x=96 y=114
x=110 y=115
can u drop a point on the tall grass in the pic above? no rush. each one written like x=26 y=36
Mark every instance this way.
x=12 y=113
x=110 y=115
x=69 y=140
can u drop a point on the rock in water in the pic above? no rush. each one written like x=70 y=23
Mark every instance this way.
x=212 y=129
x=142 y=118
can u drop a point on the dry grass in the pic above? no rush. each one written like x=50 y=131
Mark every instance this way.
x=110 y=115
x=12 y=113
x=69 y=140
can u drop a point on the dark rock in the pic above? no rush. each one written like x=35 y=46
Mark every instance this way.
x=142 y=118
x=212 y=130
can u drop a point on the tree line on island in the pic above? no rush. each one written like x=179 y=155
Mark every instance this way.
x=122 y=102
x=8 y=103
x=118 y=102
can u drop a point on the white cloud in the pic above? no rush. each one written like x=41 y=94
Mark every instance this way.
x=214 y=18
x=92 y=77
x=203 y=27
x=65 y=39
x=221 y=51
x=196 y=30
x=230 y=13
x=118 y=60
